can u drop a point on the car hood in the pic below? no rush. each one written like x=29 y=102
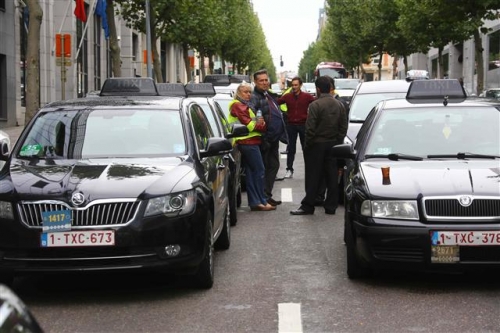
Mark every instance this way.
x=410 y=179
x=96 y=178
x=344 y=92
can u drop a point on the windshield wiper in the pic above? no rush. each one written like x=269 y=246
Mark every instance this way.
x=463 y=156
x=395 y=157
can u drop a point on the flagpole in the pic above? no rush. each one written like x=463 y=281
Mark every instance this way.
x=62 y=24
x=91 y=14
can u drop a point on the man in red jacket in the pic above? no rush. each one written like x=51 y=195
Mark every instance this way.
x=297 y=102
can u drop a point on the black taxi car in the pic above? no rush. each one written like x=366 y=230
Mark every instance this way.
x=423 y=192
x=128 y=180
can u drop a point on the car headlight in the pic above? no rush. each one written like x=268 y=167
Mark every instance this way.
x=390 y=209
x=6 y=211
x=172 y=205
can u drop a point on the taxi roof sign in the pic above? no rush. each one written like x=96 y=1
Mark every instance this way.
x=426 y=91
x=171 y=89
x=415 y=74
x=200 y=89
x=132 y=86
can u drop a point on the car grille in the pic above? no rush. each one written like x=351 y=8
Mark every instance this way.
x=98 y=213
x=398 y=254
x=482 y=208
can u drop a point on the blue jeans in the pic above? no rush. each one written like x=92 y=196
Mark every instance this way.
x=291 y=148
x=254 y=171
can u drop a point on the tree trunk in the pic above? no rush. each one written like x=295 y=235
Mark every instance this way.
x=381 y=55
x=395 y=67
x=33 y=60
x=440 y=62
x=116 y=62
x=211 y=63
x=223 y=66
x=185 y=55
x=405 y=61
x=154 y=50
x=478 y=48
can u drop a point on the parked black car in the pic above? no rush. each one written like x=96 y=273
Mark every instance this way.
x=423 y=191
x=129 y=180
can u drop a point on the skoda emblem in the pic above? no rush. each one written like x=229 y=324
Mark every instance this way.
x=465 y=200
x=77 y=198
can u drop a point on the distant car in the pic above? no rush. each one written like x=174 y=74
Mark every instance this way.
x=491 y=93
x=367 y=95
x=309 y=87
x=131 y=180
x=230 y=89
x=276 y=88
x=345 y=88
x=423 y=187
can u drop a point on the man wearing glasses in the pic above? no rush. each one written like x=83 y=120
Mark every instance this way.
x=265 y=101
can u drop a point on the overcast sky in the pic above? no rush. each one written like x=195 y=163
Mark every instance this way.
x=290 y=26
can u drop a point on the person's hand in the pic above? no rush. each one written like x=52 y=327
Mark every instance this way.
x=260 y=121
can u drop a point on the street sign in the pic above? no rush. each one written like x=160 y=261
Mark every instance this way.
x=67 y=62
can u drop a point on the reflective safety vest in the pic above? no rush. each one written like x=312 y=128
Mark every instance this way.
x=283 y=106
x=251 y=125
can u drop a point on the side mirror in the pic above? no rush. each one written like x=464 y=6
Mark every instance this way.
x=237 y=130
x=344 y=150
x=15 y=315
x=217 y=146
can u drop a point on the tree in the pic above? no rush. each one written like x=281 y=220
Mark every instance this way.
x=33 y=60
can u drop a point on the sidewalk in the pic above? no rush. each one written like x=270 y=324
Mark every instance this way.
x=13 y=132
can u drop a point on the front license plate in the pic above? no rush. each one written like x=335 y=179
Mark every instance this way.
x=78 y=238
x=465 y=238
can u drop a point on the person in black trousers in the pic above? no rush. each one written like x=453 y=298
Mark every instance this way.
x=326 y=126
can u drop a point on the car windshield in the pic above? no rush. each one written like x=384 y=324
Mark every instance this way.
x=346 y=84
x=82 y=134
x=436 y=131
x=362 y=104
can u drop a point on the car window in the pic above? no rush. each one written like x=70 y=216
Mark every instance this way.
x=222 y=117
x=201 y=126
x=434 y=131
x=76 y=134
x=346 y=84
x=214 y=124
x=361 y=104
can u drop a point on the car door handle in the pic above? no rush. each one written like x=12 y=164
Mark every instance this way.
x=221 y=166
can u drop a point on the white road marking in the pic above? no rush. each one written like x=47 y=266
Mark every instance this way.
x=286 y=195
x=289 y=318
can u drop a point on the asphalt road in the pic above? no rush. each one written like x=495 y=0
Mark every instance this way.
x=282 y=273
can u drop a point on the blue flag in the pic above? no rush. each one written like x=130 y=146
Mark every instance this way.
x=100 y=10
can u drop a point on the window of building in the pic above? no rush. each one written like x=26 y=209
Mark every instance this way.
x=23 y=33
x=97 y=53
x=82 y=84
x=135 y=46
x=2 y=5
x=494 y=54
x=109 y=68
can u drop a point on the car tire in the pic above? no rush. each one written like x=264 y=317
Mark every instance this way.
x=233 y=206
x=355 y=268
x=224 y=240
x=204 y=277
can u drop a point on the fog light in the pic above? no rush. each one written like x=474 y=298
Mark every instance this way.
x=172 y=250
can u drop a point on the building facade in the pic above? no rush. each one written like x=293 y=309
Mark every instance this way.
x=8 y=65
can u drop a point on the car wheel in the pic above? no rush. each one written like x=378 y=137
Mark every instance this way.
x=355 y=268
x=204 y=277
x=238 y=197
x=224 y=240
x=233 y=203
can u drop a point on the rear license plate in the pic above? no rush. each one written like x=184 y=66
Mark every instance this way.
x=78 y=238
x=465 y=238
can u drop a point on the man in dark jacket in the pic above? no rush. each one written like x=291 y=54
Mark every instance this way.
x=326 y=126
x=266 y=102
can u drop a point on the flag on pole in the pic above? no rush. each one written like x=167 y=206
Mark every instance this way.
x=100 y=11
x=80 y=11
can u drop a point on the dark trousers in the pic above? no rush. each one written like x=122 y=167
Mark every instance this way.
x=271 y=158
x=294 y=131
x=320 y=167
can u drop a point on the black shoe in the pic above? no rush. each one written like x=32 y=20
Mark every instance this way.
x=330 y=211
x=273 y=202
x=300 y=211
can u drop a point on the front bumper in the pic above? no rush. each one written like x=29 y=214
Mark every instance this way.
x=398 y=246
x=138 y=245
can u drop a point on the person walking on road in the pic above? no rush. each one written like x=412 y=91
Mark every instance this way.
x=326 y=126
x=249 y=145
x=276 y=132
x=297 y=103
